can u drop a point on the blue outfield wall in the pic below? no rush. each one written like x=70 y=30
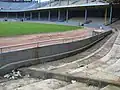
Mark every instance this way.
x=27 y=57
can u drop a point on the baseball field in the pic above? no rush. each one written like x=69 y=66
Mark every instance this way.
x=23 y=28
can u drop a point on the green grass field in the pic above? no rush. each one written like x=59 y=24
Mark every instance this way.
x=22 y=28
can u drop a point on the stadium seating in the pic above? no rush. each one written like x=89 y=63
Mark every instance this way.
x=71 y=2
x=18 y=5
x=33 y=5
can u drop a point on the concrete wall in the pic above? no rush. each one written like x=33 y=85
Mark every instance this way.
x=16 y=59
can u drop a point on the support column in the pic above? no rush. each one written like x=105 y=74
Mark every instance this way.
x=30 y=15
x=16 y=15
x=39 y=15
x=67 y=15
x=7 y=15
x=59 y=14
x=24 y=15
x=86 y=14
x=105 y=16
x=49 y=15
x=111 y=12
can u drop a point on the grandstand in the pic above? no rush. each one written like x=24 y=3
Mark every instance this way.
x=18 y=5
x=76 y=12
x=33 y=5
x=72 y=2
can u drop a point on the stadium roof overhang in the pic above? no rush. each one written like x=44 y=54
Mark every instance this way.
x=90 y=5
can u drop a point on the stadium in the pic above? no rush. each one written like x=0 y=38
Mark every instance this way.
x=59 y=45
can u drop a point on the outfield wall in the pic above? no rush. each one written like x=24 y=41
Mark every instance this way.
x=27 y=57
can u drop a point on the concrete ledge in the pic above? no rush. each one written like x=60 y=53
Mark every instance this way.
x=17 y=59
x=65 y=77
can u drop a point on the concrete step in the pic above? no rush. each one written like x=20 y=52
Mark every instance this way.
x=48 y=84
x=110 y=87
x=14 y=84
x=78 y=86
x=73 y=60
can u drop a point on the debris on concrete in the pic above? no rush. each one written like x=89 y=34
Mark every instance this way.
x=73 y=81
x=15 y=74
x=27 y=76
x=51 y=67
x=17 y=83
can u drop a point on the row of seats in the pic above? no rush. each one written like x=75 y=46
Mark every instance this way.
x=72 y=2
x=33 y=5
x=18 y=5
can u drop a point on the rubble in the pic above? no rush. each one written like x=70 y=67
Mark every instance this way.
x=15 y=74
x=73 y=81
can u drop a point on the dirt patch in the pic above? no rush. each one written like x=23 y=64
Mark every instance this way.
x=20 y=40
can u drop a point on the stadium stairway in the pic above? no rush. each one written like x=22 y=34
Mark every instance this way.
x=93 y=71
x=50 y=84
x=97 y=71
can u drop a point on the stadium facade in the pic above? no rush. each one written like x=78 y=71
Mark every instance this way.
x=16 y=0
x=60 y=10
